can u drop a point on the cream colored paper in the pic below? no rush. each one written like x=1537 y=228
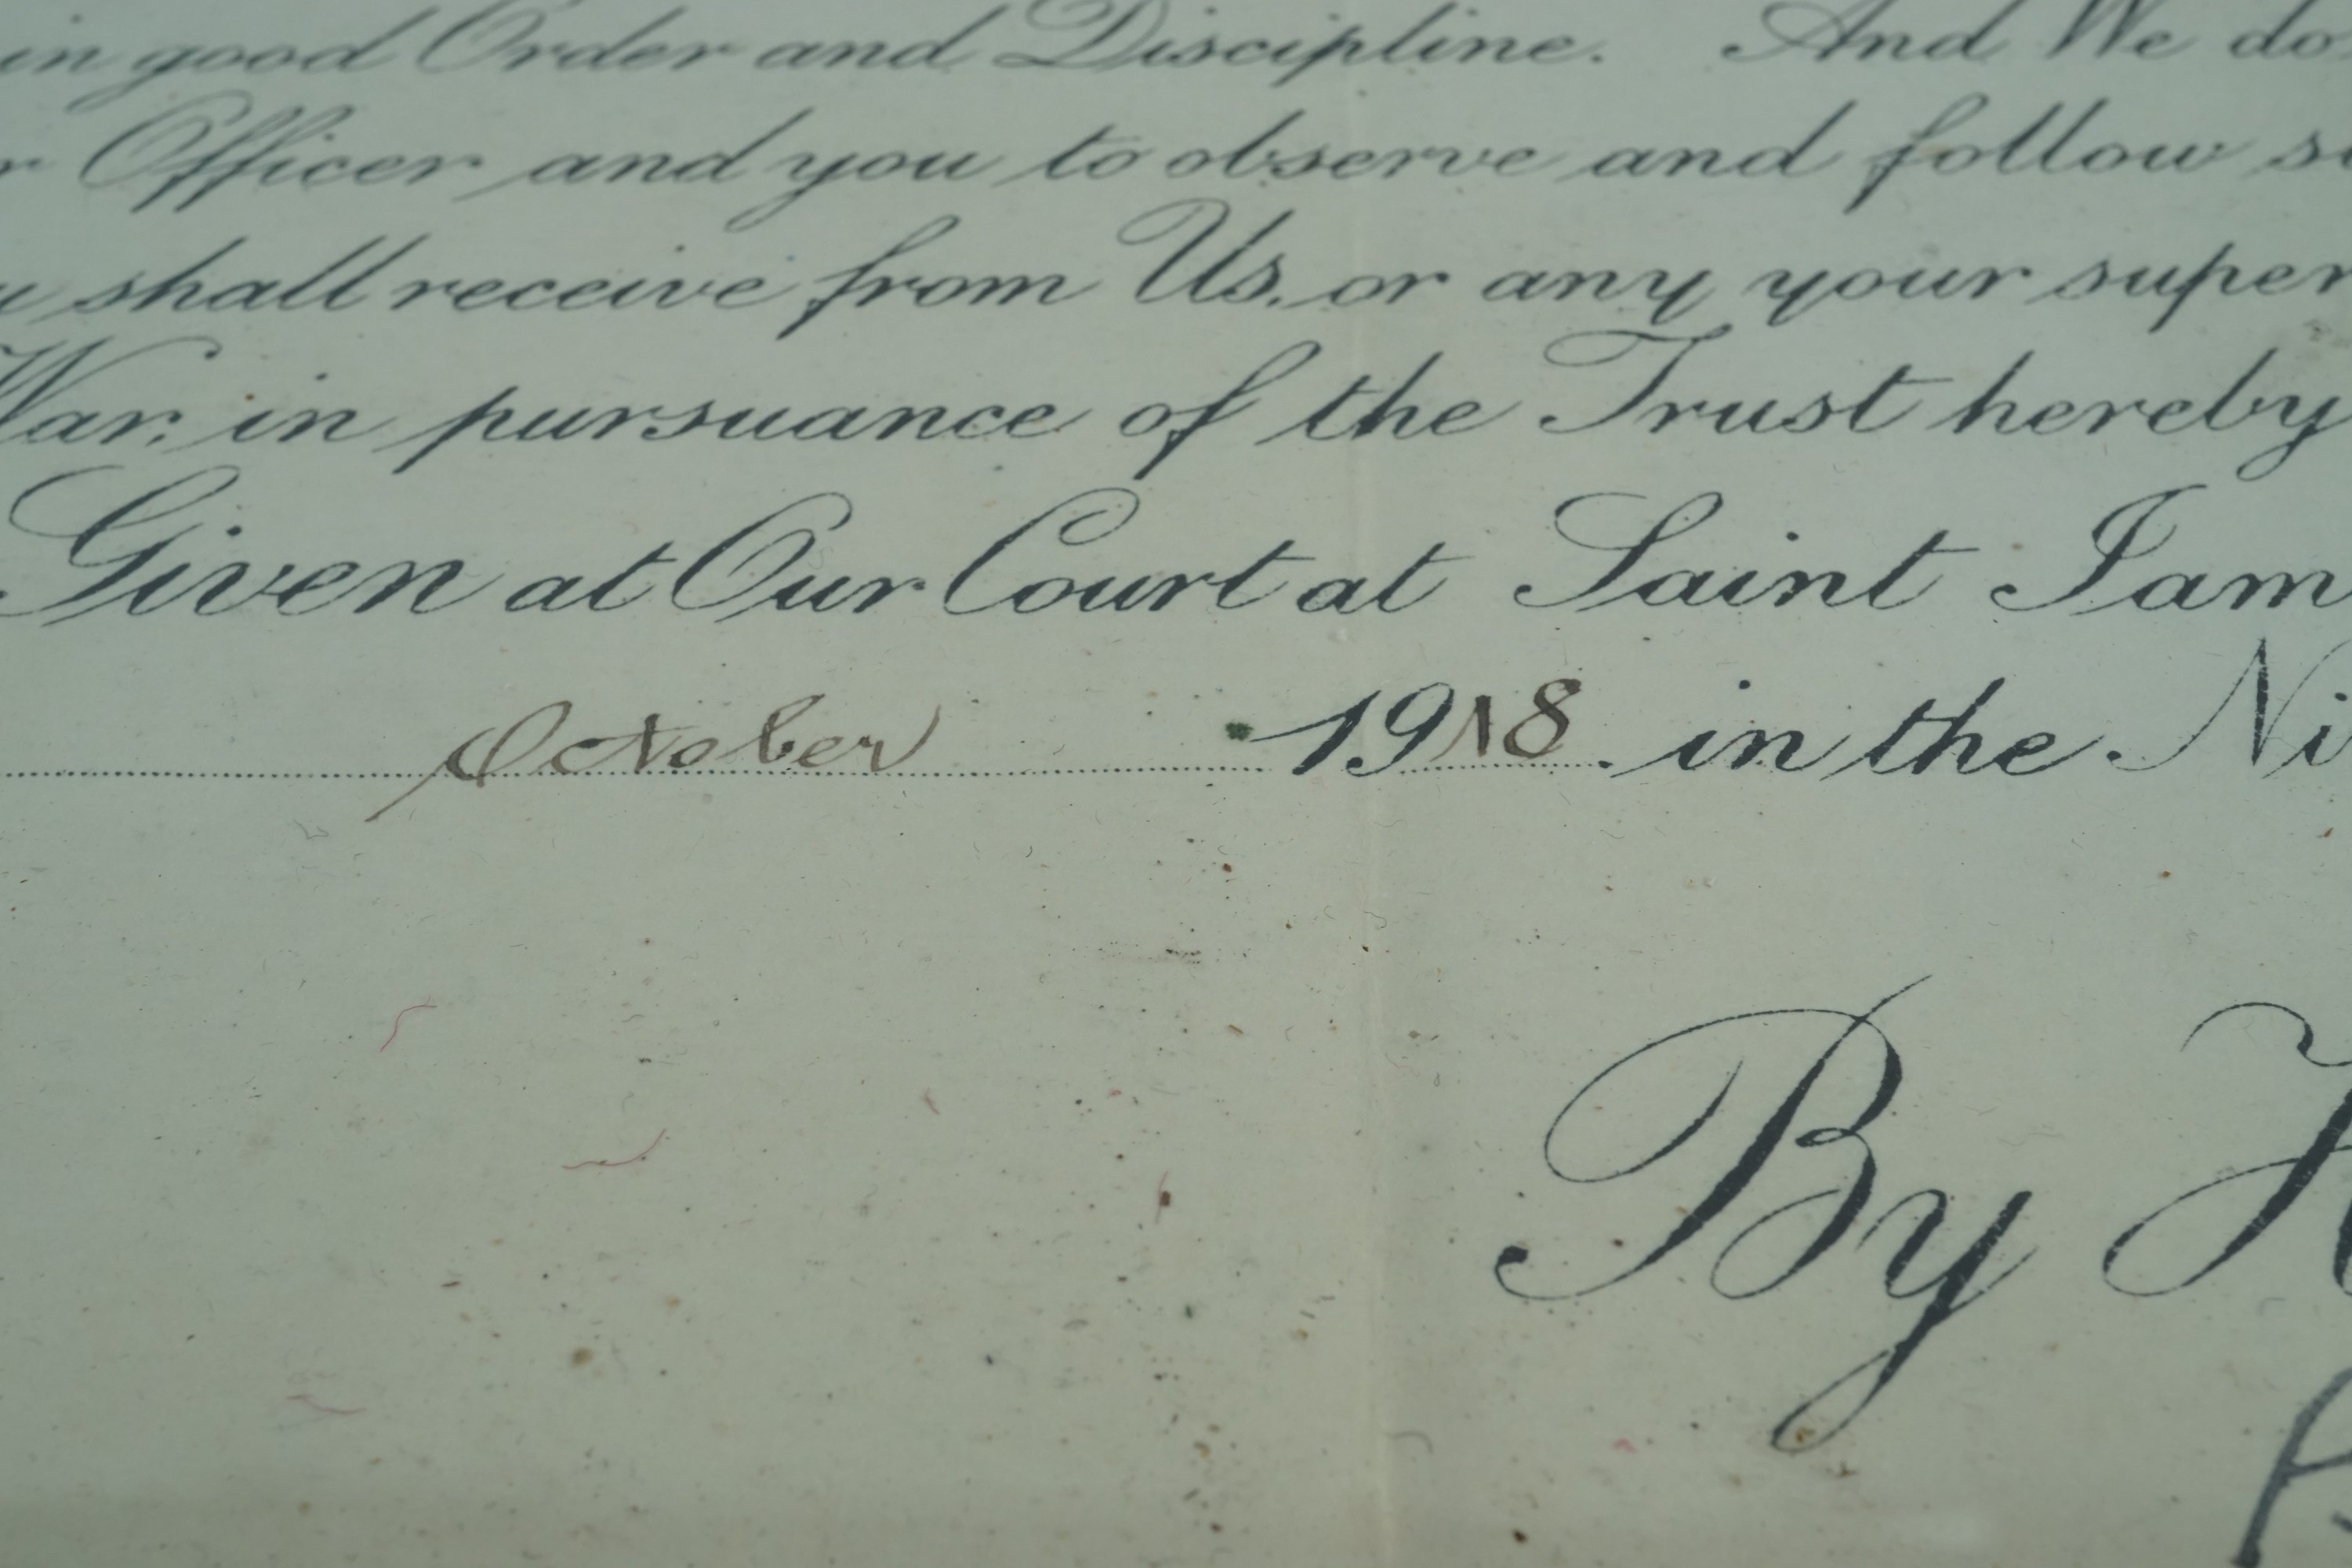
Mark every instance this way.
x=833 y=990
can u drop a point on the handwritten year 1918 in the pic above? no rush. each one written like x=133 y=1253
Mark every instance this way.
x=1420 y=714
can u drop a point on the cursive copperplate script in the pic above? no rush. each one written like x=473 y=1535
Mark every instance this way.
x=530 y=744
x=1751 y=1134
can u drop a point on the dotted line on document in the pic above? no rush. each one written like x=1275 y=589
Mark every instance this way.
x=1467 y=767
x=167 y=774
x=781 y=770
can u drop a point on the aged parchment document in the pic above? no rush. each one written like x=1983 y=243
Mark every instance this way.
x=1136 y=782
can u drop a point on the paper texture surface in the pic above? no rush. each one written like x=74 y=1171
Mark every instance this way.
x=1116 y=782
